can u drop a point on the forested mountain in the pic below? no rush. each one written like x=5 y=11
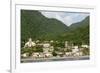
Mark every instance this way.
x=78 y=32
x=83 y=23
x=37 y=26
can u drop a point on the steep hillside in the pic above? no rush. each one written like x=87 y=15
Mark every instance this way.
x=37 y=26
x=78 y=32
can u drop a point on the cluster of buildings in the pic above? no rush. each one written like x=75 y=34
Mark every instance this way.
x=48 y=49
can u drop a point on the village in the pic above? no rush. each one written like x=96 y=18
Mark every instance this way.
x=37 y=50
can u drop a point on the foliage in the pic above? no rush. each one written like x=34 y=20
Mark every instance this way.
x=86 y=51
x=54 y=53
x=37 y=26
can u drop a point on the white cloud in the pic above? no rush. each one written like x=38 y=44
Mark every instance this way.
x=66 y=17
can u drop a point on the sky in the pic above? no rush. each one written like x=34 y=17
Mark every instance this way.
x=66 y=17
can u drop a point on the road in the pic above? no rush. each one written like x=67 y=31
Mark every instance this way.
x=70 y=58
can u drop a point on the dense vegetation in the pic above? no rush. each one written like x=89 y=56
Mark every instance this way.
x=78 y=32
x=38 y=27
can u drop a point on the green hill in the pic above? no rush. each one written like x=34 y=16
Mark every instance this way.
x=37 y=26
x=83 y=23
x=78 y=32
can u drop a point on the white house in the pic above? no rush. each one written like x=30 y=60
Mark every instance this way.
x=46 y=45
x=85 y=46
x=25 y=55
x=66 y=44
x=76 y=49
x=68 y=53
x=35 y=55
x=30 y=43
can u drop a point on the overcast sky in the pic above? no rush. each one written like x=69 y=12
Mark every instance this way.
x=66 y=17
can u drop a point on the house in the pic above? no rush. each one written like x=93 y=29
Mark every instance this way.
x=25 y=55
x=85 y=46
x=30 y=43
x=66 y=44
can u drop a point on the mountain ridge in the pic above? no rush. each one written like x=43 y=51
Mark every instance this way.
x=37 y=26
x=40 y=24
